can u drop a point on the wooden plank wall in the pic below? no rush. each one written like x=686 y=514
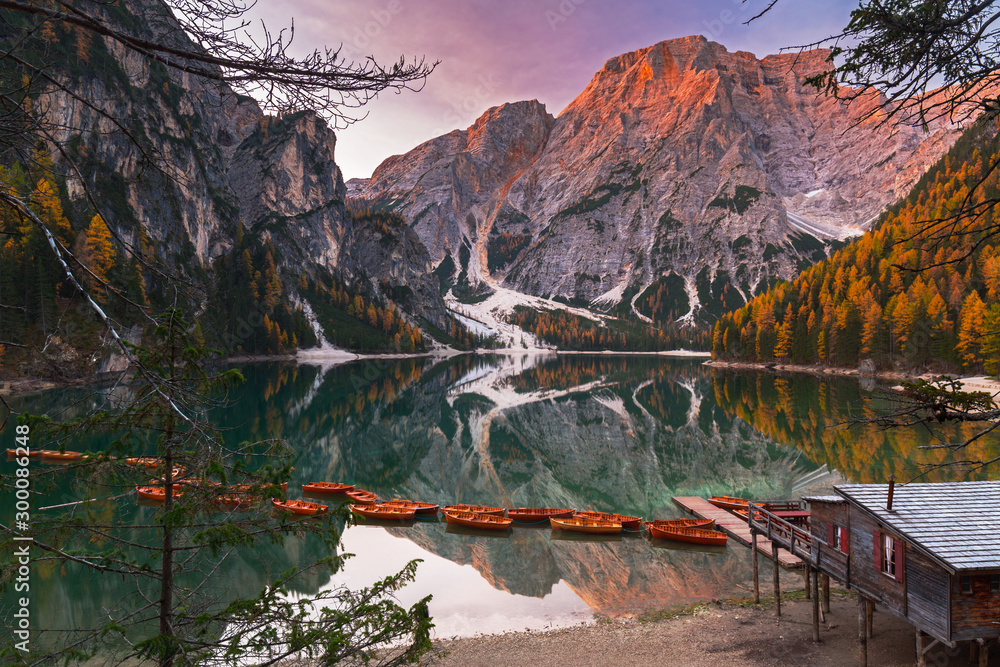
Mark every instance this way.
x=864 y=575
x=927 y=594
x=974 y=615
x=820 y=517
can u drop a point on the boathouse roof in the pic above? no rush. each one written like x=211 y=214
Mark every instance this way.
x=956 y=523
x=823 y=499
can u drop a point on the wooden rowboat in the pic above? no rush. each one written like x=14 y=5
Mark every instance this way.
x=577 y=524
x=248 y=488
x=729 y=502
x=230 y=500
x=177 y=475
x=144 y=461
x=327 y=487
x=362 y=497
x=55 y=455
x=155 y=493
x=704 y=524
x=627 y=522
x=384 y=512
x=475 y=509
x=428 y=509
x=538 y=514
x=299 y=507
x=690 y=535
x=32 y=454
x=477 y=520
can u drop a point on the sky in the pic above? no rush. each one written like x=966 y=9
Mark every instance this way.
x=496 y=51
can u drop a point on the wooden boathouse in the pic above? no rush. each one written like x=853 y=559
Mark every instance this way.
x=928 y=553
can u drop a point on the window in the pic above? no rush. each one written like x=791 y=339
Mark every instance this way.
x=995 y=583
x=965 y=584
x=889 y=555
x=837 y=537
x=889 y=552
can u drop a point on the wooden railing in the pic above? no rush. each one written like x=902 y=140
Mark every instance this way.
x=797 y=541
x=781 y=505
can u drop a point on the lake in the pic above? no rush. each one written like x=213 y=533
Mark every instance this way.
x=604 y=432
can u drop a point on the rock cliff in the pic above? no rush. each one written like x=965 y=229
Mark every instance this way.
x=680 y=160
x=179 y=162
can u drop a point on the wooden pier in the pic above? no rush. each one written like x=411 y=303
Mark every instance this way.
x=735 y=527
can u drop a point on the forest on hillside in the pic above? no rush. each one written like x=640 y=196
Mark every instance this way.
x=904 y=294
x=240 y=302
x=569 y=331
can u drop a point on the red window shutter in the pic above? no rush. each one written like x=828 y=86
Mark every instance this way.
x=899 y=559
x=878 y=551
x=845 y=539
x=830 y=534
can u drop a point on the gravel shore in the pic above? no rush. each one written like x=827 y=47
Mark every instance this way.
x=715 y=635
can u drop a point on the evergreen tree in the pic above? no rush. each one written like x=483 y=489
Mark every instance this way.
x=175 y=558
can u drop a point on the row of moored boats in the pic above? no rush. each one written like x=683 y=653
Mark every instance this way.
x=482 y=517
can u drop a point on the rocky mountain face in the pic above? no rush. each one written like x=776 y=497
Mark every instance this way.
x=714 y=172
x=198 y=160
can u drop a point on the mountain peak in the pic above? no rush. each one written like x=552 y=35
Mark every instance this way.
x=681 y=166
x=671 y=57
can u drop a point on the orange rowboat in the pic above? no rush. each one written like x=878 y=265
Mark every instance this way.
x=155 y=493
x=144 y=461
x=691 y=535
x=668 y=524
x=327 y=487
x=477 y=520
x=232 y=501
x=475 y=509
x=32 y=454
x=627 y=522
x=584 y=525
x=538 y=514
x=247 y=488
x=177 y=474
x=384 y=512
x=362 y=497
x=55 y=455
x=729 y=503
x=299 y=507
x=429 y=509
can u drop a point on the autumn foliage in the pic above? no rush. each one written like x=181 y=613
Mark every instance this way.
x=898 y=295
x=573 y=332
x=34 y=290
x=359 y=319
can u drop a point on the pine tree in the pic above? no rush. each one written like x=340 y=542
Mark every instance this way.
x=991 y=340
x=783 y=345
x=175 y=557
x=99 y=252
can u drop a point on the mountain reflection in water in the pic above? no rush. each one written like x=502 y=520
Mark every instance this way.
x=605 y=432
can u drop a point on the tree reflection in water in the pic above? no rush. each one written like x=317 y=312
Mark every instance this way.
x=607 y=432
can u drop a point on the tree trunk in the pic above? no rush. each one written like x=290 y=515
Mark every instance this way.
x=167 y=554
x=167 y=567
